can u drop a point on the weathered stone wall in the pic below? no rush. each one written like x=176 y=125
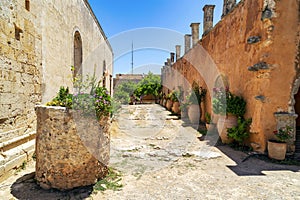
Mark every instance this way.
x=58 y=46
x=266 y=90
x=72 y=150
x=20 y=69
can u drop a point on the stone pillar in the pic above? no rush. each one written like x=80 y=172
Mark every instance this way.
x=195 y=33
x=178 y=51
x=228 y=6
x=72 y=150
x=287 y=119
x=172 y=57
x=187 y=43
x=208 y=18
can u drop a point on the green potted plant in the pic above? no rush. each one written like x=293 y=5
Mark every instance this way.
x=229 y=107
x=194 y=98
x=177 y=97
x=277 y=148
x=241 y=131
x=208 y=120
x=169 y=103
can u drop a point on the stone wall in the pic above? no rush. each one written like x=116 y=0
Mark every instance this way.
x=58 y=46
x=36 y=55
x=255 y=51
x=20 y=69
x=72 y=150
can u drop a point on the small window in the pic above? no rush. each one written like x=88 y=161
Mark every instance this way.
x=27 y=5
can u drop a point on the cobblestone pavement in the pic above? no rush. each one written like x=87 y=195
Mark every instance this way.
x=161 y=158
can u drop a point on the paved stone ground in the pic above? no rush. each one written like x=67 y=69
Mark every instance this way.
x=160 y=158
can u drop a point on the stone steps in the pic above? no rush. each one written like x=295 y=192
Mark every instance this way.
x=14 y=153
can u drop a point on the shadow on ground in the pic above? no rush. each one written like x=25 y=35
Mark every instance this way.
x=26 y=188
x=254 y=164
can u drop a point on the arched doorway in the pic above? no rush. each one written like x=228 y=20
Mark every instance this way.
x=77 y=55
x=297 y=111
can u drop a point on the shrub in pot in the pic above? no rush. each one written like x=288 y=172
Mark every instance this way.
x=229 y=107
x=196 y=96
x=277 y=148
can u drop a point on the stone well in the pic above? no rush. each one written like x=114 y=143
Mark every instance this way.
x=72 y=150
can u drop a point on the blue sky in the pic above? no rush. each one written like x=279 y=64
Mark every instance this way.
x=127 y=21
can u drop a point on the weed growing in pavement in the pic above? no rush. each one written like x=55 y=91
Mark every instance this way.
x=110 y=182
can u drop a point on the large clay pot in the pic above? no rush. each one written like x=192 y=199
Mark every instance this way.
x=176 y=107
x=169 y=104
x=276 y=150
x=225 y=122
x=164 y=103
x=194 y=113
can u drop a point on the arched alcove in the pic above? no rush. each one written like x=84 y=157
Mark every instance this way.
x=295 y=108
x=77 y=55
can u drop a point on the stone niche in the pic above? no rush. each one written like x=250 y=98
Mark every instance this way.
x=72 y=150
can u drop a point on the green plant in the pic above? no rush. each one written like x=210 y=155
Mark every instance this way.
x=90 y=98
x=123 y=91
x=151 y=84
x=184 y=106
x=176 y=95
x=208 y=118
x=224 y=102
x=284 y=133
x=63 y=98
x=110 y=182
x=197 y=95
x=240 y=132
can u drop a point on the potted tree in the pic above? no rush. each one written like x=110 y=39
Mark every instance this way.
x=229 y=107
x=277 y=148
x=208 y=120
x=169 y=103
x=194 y=99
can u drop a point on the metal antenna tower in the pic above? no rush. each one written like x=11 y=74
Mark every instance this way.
x=132 y=58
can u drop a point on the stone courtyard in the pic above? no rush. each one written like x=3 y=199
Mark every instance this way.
x=161 y=157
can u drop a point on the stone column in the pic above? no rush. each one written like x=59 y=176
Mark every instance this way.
x=287 y=119
x=172 y=57
x=187 y=43
x=195 y=33
x=178 y=51
x=228 y=6
x=208 y=18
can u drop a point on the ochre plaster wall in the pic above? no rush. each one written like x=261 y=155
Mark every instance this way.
x=227 y=46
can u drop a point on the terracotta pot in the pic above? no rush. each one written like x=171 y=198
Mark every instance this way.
x=164 y=102
x=276 y=150
x=169 y=104
x=194 y=113
x=176 y=107
x=223 y=124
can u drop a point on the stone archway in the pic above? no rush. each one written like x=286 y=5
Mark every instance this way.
x=77 y=54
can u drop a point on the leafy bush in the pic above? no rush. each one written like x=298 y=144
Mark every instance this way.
x=151 y=84
x=63 y=98
x=225 y=102
x=240 y=132
x=208 y=118
x=96 y=102
x=197 y=95
x=123 y=91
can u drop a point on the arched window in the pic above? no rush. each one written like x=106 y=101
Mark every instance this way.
x=77 y=55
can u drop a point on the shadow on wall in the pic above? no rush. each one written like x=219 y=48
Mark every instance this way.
x=252 y=166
